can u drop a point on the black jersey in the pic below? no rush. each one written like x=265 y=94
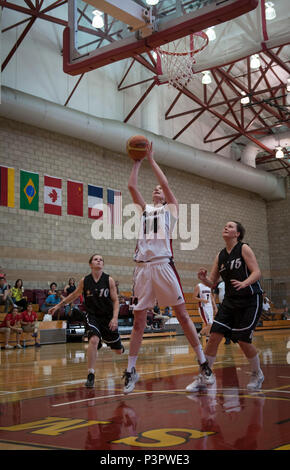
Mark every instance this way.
x=233 y=266
x=97 y=296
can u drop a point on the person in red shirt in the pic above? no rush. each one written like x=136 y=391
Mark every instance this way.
x=29 y=322
x=13 y=322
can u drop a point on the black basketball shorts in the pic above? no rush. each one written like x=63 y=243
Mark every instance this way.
x=99 y=326
x=237 y=317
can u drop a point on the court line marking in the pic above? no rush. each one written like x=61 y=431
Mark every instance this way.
x=64 y=384
x=212 y=392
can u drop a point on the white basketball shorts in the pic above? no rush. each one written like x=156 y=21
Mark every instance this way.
x=156 y=281
x=206 y=313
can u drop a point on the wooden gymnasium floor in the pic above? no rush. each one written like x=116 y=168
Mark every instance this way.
x=44 y=404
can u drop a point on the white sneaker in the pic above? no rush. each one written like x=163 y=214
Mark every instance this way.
x=256 y=381
x=8 y=346
x=18 y=346
x=196 y=385
x=130 y=379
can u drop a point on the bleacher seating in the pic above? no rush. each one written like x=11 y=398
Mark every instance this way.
x=38 y=296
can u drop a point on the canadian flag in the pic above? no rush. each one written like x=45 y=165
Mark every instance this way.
x=52 y=195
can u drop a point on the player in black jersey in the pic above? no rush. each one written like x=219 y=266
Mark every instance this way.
x=102 y=310
x=241 y=308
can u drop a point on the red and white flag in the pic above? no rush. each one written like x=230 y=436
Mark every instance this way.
x=52 y=195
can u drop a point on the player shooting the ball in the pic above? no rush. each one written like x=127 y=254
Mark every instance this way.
x=155 y=276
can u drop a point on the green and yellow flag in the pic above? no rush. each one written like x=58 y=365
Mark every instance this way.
x=29 y=190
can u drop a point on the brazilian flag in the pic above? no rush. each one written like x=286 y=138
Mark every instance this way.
x=29 y=190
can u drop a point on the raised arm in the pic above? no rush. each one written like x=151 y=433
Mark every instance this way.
x=162 y=180
x=214 y=276
x=133 y=185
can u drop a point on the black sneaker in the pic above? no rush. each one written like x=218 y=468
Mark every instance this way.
x=206 y=372
x=90 y=381
x=130 y=379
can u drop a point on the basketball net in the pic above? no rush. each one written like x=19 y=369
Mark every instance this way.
x=175 y=60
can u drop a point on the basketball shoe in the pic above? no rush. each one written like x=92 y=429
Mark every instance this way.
x=90 y=381
x=204 y=378
x=257 y=378
x=130 y=379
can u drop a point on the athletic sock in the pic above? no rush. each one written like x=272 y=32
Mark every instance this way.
x=255 y=363
x=131 y=362
x=200 y=354
x=210 y=360
x=91 y=371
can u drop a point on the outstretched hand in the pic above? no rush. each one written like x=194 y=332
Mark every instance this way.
x=150 y=152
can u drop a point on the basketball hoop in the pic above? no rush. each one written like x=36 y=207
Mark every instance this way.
x=175 y=59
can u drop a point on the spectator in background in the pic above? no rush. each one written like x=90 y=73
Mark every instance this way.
x=5 y=294
x=5 y=331
x=17 y=295
x=2 y=274
x=29 y=322
x=266 y=306
x=13 y=322
x=51 y=301
x=52 y=288
x=167 y=312
x=69 y=288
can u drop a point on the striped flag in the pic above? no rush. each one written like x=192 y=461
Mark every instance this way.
x=7 y=176
x=115 y=206
x=75 y=198
x=29 y=190
x=95 y=202
x=52 y=195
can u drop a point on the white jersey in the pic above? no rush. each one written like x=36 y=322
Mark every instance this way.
x=156 y=227
x=205 y=309
x=205 y=294
x=221 y=289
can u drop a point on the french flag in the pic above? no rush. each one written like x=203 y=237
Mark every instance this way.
x=95 y=202
x=115 y=205
x=52 y=195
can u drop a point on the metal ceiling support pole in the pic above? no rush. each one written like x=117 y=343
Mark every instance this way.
x=242 y=87
x=74 y=89
x=126 y=73
x=277 y=59
x=140 y=101
x=225 y=120
x=188 y=125
x=172 y=104
x=227 y=143
x=17 y=44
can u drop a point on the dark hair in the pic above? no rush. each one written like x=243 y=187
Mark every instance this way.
x=53 y=284
x=15 y=285
x=95 y=254
x=240 y=229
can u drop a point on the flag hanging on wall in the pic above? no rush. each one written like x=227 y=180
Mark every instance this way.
x=7 y=176
x=29 y=190
x=75 y=198
x=52 y=195
x=95 y=202
x=115 y=206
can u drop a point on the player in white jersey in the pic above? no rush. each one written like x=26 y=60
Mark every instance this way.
x=155 y=277
x=206 y=306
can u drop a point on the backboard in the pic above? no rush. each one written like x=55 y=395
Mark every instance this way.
x=132 y=27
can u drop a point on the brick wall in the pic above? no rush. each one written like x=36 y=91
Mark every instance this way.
x=278 y=217
x=41 y=248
